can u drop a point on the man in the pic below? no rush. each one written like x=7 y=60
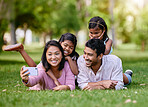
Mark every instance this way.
x=98 y=71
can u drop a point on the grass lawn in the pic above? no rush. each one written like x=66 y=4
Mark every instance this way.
x=14 y=93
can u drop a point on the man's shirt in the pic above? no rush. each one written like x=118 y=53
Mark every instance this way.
x=111 y=69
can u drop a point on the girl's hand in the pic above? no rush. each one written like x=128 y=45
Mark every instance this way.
x=67 y=57
x=61 y=87
x=57 y=82
x=24 y=75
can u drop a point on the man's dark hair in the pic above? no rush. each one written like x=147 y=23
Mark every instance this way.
x=44 y=59
x=97 y=45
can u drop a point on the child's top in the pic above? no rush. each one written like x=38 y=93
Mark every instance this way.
x=105 y=44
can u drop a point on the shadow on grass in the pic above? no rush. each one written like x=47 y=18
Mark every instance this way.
x=4 y=62
x=8 y=62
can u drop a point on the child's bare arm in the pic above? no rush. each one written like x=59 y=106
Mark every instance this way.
x=108 y=47
x=49 y=73
x=73 y=65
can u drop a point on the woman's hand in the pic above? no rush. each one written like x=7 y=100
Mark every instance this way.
x=61 y=87
x=24 y=75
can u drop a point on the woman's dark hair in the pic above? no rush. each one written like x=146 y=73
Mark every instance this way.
x=98 y=22
x=44 y=59
x=73 y=39
x=97 y=45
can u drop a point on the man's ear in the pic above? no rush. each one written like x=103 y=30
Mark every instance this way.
x=100 y=56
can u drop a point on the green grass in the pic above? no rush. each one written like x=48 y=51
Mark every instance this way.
x=14 y=94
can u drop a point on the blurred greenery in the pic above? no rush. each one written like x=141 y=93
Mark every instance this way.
x=51 y=18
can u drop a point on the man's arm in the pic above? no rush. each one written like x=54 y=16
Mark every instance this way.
x=105 y=84
x=82 y=77
x=117 y=74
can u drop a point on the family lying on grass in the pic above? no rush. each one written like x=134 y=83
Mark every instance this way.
x=61 y=65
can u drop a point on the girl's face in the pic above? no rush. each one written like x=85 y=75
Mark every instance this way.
x=68 y=47
x=96 y=33
x=53 y=56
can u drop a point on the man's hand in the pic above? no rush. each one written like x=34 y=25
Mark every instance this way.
x=93 y=87
x=109 y=84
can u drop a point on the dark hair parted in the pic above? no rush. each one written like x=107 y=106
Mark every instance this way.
x=97 y=45
x=73 y=39
x=98 y=22
x=44 y=59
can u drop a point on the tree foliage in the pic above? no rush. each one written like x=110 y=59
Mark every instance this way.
x=55 y=17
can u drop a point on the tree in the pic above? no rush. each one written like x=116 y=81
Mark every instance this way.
x=140 y=36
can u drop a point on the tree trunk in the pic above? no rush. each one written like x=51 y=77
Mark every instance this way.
x=25 y=29
x=13 y=36
x=143 y=45
x=44 y=38
x=112 y=22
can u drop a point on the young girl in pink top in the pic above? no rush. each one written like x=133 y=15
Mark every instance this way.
x=68 y=42
x=52 y=59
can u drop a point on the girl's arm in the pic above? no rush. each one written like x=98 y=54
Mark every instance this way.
x=108 y=47
x=49 y=73
x=73 y=65
x=69 y=79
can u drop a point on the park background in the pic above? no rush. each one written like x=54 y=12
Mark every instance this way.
x=34 y=22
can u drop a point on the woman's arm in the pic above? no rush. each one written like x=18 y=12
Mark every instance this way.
x=73 y=65
x=108 y=47
x=24 y=75
x=30 y=81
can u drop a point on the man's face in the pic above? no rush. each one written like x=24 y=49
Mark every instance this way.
x=90 y=57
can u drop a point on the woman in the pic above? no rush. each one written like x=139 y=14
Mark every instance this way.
x=53 y=59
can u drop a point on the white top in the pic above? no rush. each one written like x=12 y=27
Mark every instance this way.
x=111 y=69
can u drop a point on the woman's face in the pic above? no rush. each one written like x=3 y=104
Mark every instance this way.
x=54 y=56
x=96 y=33
x=68 y=47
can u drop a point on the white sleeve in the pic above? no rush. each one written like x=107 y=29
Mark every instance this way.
x=82 y=77
x=117 y=74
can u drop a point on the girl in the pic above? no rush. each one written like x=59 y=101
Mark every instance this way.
x=68 y=42
x=53 y=59
x=98 y=29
